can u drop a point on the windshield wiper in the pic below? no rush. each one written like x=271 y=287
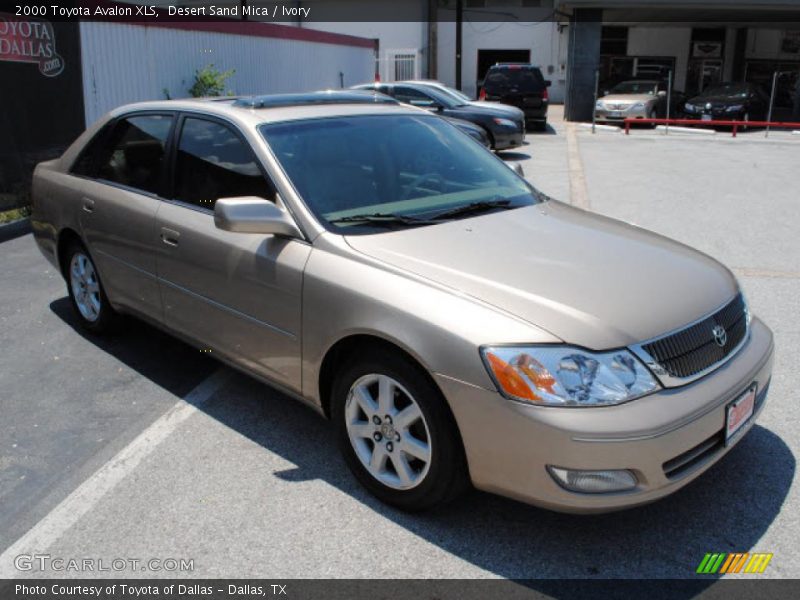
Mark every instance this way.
x=472 y=208
x=383 y=219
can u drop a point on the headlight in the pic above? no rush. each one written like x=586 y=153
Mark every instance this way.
x=689 y=107
x=505 y=122
x=638 y=105
x=567 y=376
x=735 y=108
x=599 y=105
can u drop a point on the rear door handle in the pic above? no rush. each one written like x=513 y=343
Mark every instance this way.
x=87 y=204
x=170 y=236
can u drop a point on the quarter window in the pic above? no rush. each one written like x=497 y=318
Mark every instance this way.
x=134 y=156
x=213 y=162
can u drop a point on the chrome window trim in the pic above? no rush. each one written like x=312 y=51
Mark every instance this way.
x=671 y=381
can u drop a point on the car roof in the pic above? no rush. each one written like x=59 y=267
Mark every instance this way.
x=273 y=108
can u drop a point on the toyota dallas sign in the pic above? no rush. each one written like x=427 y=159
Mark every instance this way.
x=30 y=41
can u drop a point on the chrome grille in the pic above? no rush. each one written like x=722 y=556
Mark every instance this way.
x=695 y=349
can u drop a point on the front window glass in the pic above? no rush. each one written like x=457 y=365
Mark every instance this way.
x=213 y=162
x=635 y=87
x=417 y=167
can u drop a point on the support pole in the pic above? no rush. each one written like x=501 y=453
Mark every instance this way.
x=669 y=101
x=459 y=32
x=771 y=102
x=596 y=92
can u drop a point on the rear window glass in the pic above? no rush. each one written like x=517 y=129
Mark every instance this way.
x=524 y=79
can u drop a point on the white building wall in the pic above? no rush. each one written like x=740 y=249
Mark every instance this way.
x=129 y=63
x=400 y=38
x=546 y=45
x=663 y=41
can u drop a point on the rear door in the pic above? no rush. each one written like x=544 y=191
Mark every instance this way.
x=123 y=178
x=238 y=294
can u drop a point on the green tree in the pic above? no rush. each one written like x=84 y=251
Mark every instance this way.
x=208 y=81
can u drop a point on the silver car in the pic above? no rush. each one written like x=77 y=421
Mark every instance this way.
x=456 y=325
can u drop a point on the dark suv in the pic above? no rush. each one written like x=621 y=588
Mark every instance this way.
x=519 y=85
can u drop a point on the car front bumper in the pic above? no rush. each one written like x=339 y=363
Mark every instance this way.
x=510 y=444
x=506 y=138
x=618 y=116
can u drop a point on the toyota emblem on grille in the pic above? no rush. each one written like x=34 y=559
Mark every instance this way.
x=720 y=335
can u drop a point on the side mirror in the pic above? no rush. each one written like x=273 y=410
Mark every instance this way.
x=662 y=93
x=605 y=92
x=547 y=83
x=251 y=214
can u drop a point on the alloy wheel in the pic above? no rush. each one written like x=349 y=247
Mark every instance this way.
x=388 y=431
x=85 y=286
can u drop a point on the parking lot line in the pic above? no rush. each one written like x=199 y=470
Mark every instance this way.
x=48 y=530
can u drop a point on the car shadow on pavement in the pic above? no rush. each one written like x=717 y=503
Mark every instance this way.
x=513 y=156
x=728 y=509
x=160 y=357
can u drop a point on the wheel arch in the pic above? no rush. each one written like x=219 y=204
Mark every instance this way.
x=66 y=237
x=341 y=351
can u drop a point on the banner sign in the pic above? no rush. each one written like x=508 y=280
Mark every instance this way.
x=30 y=41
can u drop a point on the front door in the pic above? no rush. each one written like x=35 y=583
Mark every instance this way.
x=237 y=294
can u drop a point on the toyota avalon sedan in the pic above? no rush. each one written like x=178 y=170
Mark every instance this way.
x=455 y=325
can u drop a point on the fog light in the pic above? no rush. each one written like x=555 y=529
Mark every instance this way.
x=593 y=482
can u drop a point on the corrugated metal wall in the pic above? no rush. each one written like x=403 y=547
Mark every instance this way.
x=128 y=63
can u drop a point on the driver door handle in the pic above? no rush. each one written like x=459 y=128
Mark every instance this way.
x=87 y=204
x=169 y=236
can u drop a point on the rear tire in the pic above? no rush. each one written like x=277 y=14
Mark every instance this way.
x=86 y=293
x=413 y=459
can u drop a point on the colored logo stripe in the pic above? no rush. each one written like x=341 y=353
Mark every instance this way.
x=723 y=562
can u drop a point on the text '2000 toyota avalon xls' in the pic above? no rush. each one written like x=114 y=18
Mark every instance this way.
x=456 y=325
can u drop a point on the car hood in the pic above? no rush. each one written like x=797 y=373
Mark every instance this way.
x=717 y=100
x=627 y=98
x=497 y=106
x=587 y=279
x=489 y=110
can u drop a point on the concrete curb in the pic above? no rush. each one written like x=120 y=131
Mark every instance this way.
x=609 y=128
x=697 y=130
x=15 y=229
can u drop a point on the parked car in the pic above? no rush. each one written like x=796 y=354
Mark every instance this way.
x=729 y=102
x=637 y=99
x=455 y=325
x=520 y=85
x=505 y=130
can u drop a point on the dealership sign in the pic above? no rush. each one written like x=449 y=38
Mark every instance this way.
x=30 y=41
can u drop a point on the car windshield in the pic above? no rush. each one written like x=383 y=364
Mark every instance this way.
x=460 y=97
x=412 y=168
x=635 y=87
x=734 y=90
x=521 y=79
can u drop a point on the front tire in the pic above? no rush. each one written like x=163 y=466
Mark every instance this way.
x=396 y=432
x=86 y=293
